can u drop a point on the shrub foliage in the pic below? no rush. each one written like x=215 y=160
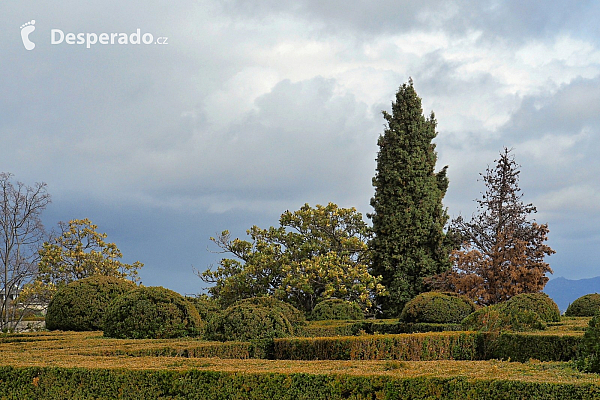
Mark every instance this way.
x=80 y=305
x=499 y=317
x=434 y=307
x=52 y=383
x=295 y=316
x=588 y=354
x=152 y=313
x=337 y=309
x=243 y=321
x=585 y=306
x=540 y=303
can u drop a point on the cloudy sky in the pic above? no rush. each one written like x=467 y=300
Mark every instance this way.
x=253 y=108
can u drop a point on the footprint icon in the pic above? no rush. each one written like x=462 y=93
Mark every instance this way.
x=26 y=29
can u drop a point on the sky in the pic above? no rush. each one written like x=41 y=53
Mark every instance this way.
x=237 y=111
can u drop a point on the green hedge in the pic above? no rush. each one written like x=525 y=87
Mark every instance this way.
x=403 y=327
x=413 y=347
x=431 y=346
x=382 y=327
x=51 y=383
x=522 y=347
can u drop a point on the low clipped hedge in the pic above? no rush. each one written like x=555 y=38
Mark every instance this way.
x=436 y=307
x=151 y=313
x=53 y=383
x=585 y=306
x=540 y=303
x=408 y=347
x=522 y=347
x=431 y=346
x=337 y=309
x=80 y=305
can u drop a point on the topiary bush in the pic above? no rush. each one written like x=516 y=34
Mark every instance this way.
x=337 y=309
x=585 y=306
x=243 y=321
x=588 y=353
x=151 y=313
x=436 y=307
x=295 y=316
x=210 y=313
x=80 y=305
x=500 y=318
x=205 y=306
x=539 y=303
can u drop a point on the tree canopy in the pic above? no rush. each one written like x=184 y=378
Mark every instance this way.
x=79 y=252
x=408 y=214
x=314 y=254
x=502 y=252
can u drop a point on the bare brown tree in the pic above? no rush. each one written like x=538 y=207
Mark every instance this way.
x=21 y=236
x=502 y=251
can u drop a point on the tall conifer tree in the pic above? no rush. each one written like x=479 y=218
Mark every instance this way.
x=408 y=218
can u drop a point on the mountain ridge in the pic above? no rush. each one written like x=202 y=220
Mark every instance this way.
x=564 y=291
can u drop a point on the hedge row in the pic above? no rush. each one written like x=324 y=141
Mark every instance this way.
x=351 y=328
x=416 y=347
x=430 y=346
x=522 y=347
x=232 y=350
x=413 y=347
x=75 y=383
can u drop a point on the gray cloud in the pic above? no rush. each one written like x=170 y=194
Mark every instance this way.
x=257 y=107
x=510 y=20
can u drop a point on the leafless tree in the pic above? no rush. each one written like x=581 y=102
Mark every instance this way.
x=21 y=236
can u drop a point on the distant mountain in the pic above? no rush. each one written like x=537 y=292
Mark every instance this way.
x=563 y=291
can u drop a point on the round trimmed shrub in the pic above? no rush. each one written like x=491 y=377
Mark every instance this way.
x=293 y=315
x=585 y=306
x=80 y=305
x=210 y=313
x=205 y=306
x=243 y=322
x=337 y=309
x=437 y=307
x=151 y=313
x=499 y=318
x=540 y=303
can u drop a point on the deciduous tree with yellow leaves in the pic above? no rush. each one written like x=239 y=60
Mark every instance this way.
x=79 y=252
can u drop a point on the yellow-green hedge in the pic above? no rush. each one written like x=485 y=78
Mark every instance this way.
x=415 y=347
x=52 y=383
x=430 y=346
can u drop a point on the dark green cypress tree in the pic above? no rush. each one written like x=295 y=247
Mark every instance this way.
x=408 y=218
